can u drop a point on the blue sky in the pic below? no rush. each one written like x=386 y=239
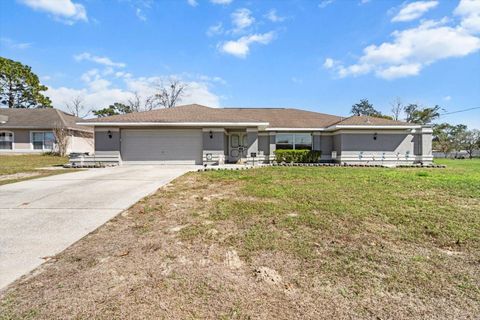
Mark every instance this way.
x=317 y=55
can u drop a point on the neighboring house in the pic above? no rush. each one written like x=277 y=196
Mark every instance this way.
x=32 y=131
x=195 y=134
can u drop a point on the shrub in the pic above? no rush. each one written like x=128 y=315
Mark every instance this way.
x=297 y=156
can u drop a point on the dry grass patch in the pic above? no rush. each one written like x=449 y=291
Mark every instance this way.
x=15 y=168
x=278 y=243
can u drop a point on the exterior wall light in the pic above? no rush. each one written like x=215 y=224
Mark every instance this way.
x=109 y=133
x=210 y=134
x=375 y=136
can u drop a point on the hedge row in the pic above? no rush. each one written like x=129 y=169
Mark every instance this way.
x=297 y=156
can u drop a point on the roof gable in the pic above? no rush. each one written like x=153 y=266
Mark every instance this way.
x=44 y=118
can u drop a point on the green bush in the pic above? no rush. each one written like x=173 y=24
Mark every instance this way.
x=297 y=156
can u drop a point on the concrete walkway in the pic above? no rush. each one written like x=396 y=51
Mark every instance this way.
x=42 y=217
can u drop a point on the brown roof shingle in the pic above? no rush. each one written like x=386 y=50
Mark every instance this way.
x=276 y=117
x=369 y=121
x=45 y=118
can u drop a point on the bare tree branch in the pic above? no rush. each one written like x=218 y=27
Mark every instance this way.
x=397 y=108
x=61 y=139
x=77 y=107
x=169 y=95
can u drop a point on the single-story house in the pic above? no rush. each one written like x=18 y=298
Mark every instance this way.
x=32 y=131
x=195 y=134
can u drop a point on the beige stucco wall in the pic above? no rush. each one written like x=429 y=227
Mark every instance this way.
x=80 y=143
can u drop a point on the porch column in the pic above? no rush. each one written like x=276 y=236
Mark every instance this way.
x=252 y=143
x=426 y=143
x=272 y=145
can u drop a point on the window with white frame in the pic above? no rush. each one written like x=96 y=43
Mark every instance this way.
x=43 y=140
x=294 y=141
x=6 y=140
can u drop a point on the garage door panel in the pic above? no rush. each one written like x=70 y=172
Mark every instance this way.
x=162 y=146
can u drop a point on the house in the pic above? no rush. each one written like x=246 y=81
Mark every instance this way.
x=195 y=134
x=32 y=131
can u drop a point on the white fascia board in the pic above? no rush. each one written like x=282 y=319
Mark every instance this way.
x=173 y=124
x=295 y=129
x=392 y=127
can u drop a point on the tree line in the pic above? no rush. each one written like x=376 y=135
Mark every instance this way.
x=447 y=138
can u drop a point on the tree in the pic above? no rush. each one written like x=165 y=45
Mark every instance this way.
x=458 y=134
x=20 y=87
x=472 y=141
x=77 y=108
x=168 y=96
x=113 y=109
x=442 y=138
x=415 y=114
x=397 y=108
x=364 y=108
x=61 y=139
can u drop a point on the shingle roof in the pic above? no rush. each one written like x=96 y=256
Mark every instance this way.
x=46 y=118
x=369 y=121
x=276 y=117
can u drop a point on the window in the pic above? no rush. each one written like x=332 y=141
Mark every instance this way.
x=285 y=141
x=6 y=140
x=43 y=140
x=297 y=141
x=303 y=141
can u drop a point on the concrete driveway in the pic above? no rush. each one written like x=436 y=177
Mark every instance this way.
x=42 y=217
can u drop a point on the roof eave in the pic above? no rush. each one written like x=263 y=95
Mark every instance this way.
x=174 y=124
x=362 y=126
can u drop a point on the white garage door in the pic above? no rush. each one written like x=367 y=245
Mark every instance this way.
x=164 y=146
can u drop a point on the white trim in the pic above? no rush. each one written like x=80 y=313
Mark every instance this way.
x=174 y=124
x=214 y=130
x=295 y=129
x=337 y=127
x=252 y=130
x=43 y=145
x=13 y=141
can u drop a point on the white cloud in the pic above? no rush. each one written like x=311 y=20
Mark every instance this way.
x=403 y=70
x=140 y=14
x=215 y=29
x=447 y=98
x=329 y=63
x=100 y=91
x=469 y=12
x=11 y=44
x=97 y=59
x=223 y=2
x=414 y=10
x=63 y=10
x=325 y=3
x=192 y=3
x=413 y=49
x=241 y=47
x=242 y=18
x=273 y=16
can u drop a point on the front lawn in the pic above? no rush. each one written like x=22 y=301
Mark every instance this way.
x=15 y=168
x=277 y=243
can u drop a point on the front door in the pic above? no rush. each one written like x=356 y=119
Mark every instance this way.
x=237 y=146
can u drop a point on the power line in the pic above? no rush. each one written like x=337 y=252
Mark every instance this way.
x=458 y=111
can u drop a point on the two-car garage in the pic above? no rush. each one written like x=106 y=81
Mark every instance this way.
x=162 y=146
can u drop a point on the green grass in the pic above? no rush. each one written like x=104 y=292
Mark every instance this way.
x=439 y=205
x=18 y=164
x=298 y=210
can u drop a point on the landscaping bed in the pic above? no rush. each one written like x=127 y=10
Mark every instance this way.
x=283 y=243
